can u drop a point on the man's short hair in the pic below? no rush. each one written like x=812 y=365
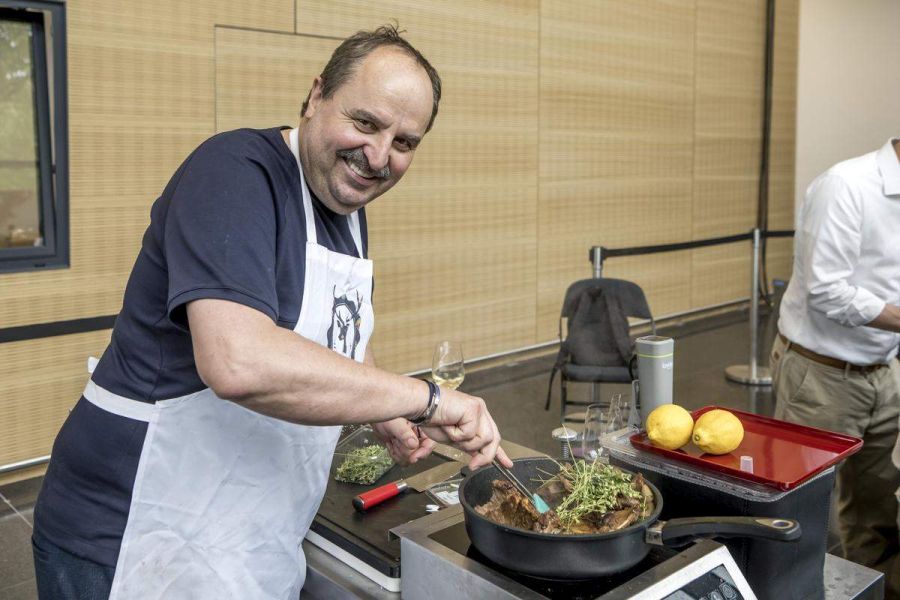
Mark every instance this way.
x=346 y=57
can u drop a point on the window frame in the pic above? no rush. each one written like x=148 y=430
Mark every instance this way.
x=52 y=133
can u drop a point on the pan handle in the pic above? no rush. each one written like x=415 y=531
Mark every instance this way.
x=678 y=532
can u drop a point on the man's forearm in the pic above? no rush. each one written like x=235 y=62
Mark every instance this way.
x=889 y=319
x=308 y=383
x=276 y=372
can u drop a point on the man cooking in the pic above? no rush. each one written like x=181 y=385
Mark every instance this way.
x=198 y=454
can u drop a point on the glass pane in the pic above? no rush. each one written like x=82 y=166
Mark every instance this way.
x=20 y=214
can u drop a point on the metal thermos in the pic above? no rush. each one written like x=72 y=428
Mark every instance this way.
x=656 y=364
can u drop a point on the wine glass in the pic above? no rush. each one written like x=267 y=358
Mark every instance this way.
x=599 y=421
x=619 y=413
x=447 y=367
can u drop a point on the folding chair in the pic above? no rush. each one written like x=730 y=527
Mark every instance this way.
x=594 y=334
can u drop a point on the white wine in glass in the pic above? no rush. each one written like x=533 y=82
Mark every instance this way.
x=447 y=366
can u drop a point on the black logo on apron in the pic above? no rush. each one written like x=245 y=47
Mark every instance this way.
x=343 y=335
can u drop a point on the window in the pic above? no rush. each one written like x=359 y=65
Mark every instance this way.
x=33 y=147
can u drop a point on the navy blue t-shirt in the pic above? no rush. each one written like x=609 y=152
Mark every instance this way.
x=229 y=225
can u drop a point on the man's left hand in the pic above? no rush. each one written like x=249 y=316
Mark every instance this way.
x=405 y=443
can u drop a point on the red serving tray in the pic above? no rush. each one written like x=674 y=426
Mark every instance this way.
x=784 y=454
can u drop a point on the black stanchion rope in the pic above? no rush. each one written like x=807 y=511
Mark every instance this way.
x=674 y=247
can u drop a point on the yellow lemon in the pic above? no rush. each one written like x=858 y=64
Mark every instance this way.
x=718 y=432
x=669 y=426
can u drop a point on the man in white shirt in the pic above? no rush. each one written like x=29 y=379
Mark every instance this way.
x=834 y=362
x=896 y=460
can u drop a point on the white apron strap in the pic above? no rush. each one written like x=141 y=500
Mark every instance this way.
x=352 y=218
x=307 y=200
x=353 y=221
x=118 y=405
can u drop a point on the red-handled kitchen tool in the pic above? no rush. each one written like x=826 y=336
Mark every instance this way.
x=418 y=482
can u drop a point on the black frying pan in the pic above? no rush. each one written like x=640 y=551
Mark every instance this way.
x=586 y=556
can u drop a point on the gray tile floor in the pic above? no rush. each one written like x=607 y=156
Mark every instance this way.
x=515 y=394
x=16 y=567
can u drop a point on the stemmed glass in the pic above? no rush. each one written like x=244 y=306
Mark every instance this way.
x=600 y=420
x=447 y=366
x=619 y=413
x=596 y=424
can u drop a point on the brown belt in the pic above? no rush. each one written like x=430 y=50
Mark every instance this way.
x=827 y=360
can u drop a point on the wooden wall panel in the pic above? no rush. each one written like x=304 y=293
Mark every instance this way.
x=727 y=143
x=454 y=243
x=663 y=278
x=40 y=384
x=616 y=153
x=263 y=77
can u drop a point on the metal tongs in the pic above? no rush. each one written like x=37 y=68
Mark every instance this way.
x=534 y=498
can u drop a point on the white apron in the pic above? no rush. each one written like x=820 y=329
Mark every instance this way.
x=224 y=496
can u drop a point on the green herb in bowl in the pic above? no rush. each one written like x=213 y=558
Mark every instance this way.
x=364 y=465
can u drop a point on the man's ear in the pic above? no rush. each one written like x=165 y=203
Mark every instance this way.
x=315 y=97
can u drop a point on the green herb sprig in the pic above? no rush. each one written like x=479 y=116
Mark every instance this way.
x=364 y=465
x=596 y=488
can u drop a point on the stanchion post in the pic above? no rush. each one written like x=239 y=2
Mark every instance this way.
x=754 y=303
x=597 y=261
x=752 y=374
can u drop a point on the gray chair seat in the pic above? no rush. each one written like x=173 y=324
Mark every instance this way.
x=588 y=373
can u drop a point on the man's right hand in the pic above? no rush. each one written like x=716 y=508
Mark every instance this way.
x=464 y=421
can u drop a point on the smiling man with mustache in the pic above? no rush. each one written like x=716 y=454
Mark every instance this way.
x=198 y=454
x=358 y=138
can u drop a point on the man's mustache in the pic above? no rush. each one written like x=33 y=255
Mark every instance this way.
x=358 y=158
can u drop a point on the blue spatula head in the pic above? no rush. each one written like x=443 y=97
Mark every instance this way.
x=539 y=504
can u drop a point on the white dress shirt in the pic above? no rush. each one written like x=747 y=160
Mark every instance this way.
x=847 y=260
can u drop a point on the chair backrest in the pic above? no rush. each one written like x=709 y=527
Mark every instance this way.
x=630 y=295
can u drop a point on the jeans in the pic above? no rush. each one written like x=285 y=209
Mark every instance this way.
x=64 y=576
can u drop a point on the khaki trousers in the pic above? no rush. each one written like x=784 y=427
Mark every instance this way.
x=864 y=405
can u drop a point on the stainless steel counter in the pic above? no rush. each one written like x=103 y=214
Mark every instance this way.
x=327 y=578
x=845 y=579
